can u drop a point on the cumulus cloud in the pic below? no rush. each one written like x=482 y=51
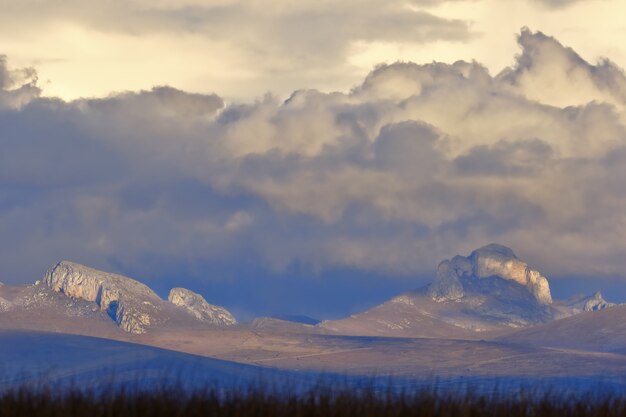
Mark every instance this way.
x=552 y=74
x=16 y=86
x=417 y=163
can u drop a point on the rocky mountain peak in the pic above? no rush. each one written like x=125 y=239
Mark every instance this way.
x=198 y=307
x=130 y=303
x=597 y=302
x=584 y=303
x=457 y=276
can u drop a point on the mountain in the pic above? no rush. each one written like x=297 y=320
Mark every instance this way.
x=198 y=307
x=489 y=271
x=583 y=303
x=70 y=290
x=595 y=330
x=491 y=290
x=131 y=304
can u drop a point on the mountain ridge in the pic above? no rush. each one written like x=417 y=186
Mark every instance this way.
x=72 y=289
x=489 y=291
x=131 y=304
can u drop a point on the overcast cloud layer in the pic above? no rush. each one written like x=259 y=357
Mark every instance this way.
x=417 y=163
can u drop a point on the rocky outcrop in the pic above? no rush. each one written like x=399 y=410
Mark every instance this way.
x=593 y=302
x=4 y=304
x=447 y=286
x=492 y=261
x=130 y=303
x=198 y=307
x=596 y=302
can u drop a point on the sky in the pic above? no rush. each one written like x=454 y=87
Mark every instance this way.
x=312 y=157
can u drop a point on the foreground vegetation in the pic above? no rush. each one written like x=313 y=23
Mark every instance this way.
x=316 y=403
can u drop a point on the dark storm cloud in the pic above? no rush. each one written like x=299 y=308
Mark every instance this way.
x=417 y=163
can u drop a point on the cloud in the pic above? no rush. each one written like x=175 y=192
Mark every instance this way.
x=416 y=164
x=552 y=74
x=302 y=34
x=555 y=4
x=16 y=86
x=505 y=158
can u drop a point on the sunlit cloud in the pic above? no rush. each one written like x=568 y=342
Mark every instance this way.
x=415 y=163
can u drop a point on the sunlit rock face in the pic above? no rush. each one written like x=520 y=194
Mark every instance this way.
x=130 y=303
x=199 y=308
x=455 y=276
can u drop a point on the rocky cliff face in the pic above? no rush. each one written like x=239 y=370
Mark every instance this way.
x=130 y=303
x=489 y=290
x=459 y=275
x=198 y=307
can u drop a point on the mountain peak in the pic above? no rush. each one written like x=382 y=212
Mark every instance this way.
x=597 y=302
x=587 y=303
x=197 y=306
x=130 y=303
x=460 y=275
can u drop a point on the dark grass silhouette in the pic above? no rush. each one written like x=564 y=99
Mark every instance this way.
x=317 y=402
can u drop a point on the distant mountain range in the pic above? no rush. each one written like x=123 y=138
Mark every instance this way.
x=486 y=314
x=489 y=290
